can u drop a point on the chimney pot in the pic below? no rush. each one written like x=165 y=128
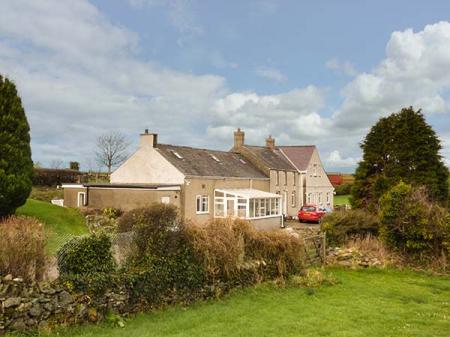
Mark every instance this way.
x=239 y=137
x=270 y=142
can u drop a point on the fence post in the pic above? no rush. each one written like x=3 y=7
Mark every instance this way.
x=324 y=245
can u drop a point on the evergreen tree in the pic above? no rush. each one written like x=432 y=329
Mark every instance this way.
x=16 y=166
x=404 y=147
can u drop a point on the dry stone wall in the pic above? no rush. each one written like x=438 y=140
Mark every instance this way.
x=27 y=306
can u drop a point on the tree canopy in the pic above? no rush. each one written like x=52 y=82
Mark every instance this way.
x=16 y=166
x=403 y=147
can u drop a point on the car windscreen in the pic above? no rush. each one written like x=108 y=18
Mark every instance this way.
x=308 y=209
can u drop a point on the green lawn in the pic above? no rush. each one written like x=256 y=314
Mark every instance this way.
x=364 y=303
x=61 y=223
x=342 y=199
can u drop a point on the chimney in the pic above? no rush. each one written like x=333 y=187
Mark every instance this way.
x=149 y=139
x=270 y=142
x=239 y=138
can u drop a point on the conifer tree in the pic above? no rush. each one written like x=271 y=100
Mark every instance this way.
x=16 y=166
x=403 y=147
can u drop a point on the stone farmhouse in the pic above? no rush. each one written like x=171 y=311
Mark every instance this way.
x=258 y=183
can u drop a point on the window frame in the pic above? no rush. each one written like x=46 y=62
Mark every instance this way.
x=201 y=198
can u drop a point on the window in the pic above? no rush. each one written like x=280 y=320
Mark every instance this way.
x=202 y=204
x=176 y=154
x=310 y=198
x=293 y=199
x=240 y=206
x=319 y=197
x=215 y=158
x=81 y=199
x=285 y=178
x=278 y=178
x=328 y=197
x=315 y=170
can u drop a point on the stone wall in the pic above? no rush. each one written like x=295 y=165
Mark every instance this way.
x=27 y=306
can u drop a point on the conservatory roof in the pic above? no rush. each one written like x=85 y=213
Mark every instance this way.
x=249 y=193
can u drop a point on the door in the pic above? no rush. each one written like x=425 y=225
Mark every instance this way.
x=81 y=199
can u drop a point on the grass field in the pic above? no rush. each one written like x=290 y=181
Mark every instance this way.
x=342 y=199
x=61 y=223
x=363 y=303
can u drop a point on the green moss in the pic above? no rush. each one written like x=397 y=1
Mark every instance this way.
x=61 y=223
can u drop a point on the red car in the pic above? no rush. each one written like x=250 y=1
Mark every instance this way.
x=310 y=213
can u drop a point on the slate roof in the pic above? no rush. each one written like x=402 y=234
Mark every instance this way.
x=209 y=163
x=300 y=156
x=273 y=159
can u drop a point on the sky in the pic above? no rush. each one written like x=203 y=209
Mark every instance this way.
x=305 y=72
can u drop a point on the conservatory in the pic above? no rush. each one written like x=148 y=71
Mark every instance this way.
x=246 y=203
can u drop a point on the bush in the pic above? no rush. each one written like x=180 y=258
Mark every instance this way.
x=343 y=189
x=164 y=265
x=86 y=255
x=233 y=251
x=53 y=177
x=340 y=226
x=22 y=248
x=413 y=224
x=157 y=214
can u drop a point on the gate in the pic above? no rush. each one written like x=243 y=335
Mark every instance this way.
x=315 y=249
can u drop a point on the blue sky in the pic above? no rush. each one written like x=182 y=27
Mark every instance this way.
x=316 y=72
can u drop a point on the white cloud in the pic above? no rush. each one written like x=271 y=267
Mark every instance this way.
x=292 y=116
x=344 y=67
x=271 y=74
x=416 y=71
x=78 y=76
x=334 y=159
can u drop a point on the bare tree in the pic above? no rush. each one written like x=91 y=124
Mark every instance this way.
x=111 y=150
x=56 y=164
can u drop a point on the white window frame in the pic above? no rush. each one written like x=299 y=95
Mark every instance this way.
x=293 y=199
x=202 y=198
x=84 y=199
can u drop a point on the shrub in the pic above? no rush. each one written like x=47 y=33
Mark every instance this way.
x=157 y=214
x=22 y=248
x=413 y=224
x=86 y=255
x=340 y=226
x=112 y=213
x=164 y=265
x=343 y=189
x=233 y=251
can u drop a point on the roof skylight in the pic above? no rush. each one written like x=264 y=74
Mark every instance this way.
x=176 y=154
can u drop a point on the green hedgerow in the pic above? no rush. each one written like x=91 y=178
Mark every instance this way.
x=86 y=255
